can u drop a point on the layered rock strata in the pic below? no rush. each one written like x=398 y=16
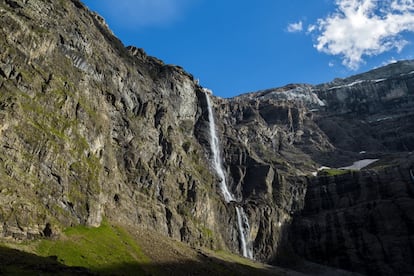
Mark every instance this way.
x=90 y=129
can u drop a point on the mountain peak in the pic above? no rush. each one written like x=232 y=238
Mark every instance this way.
x=96 y=138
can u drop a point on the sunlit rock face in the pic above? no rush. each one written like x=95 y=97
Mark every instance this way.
x=91 y=130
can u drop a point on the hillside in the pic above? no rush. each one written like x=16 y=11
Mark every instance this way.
x=96 y=137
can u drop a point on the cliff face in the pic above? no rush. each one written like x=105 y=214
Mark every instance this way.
x=350 y=220
x=90 y=129
x=361 y=221
x=374 y=110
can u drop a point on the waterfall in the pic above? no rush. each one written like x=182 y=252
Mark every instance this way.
x=412 y=175
x=244 y=231
x=215 y=149
x=242 y=220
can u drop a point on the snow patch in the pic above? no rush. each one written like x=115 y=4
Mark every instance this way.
x=356 y=83
x=358 y=165
x=347 y=85
x=303 y=94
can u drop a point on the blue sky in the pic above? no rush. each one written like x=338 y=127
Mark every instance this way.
x=241 y=46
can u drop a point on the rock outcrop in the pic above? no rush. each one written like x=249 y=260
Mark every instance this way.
x=90 y=129
x=361 y=221
x=371 y=111
x=350 y=220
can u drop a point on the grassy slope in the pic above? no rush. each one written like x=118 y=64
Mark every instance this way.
x=100 y=249
x=113 y=250
x=104 y=250
x=333 y=172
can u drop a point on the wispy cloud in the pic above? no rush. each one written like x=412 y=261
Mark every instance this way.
x=311 y=28
x=144 y=13
x=361 y=28
x=295 y=27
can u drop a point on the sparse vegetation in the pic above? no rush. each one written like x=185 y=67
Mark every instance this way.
x=333 y=172
x=107 y=249
x=112 y=250
x=99 y=249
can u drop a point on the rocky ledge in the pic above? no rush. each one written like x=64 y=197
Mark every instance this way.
x=91 y=129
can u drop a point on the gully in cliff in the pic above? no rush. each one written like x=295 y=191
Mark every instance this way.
x=242 y=220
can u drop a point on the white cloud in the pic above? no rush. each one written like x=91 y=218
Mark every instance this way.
x=295 y=27
x=143 y=13
x=360 y=28
x=311 y=28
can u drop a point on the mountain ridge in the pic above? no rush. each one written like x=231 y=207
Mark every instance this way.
x=92 y=130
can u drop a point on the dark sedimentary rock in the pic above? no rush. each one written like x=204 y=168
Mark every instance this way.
x=92 y=129
x=362 y=221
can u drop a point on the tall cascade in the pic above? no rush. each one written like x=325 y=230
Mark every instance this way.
x=242 y=220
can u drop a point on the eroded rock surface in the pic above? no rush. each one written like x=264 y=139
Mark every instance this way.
x=362 y=221
x=90 y=129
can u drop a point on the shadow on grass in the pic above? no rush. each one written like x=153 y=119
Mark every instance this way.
x=15 y=262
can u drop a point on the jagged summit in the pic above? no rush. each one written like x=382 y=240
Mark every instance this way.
x=297 y=93
x=96 y=134
x=313 y=95
x=392 y=70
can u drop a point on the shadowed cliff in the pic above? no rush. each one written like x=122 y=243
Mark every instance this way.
x=93 y=131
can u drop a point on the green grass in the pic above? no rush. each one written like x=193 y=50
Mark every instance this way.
x=15 y=262
x=333 y=172
x=233 y=258
x=107 y=249
x=111 y=250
